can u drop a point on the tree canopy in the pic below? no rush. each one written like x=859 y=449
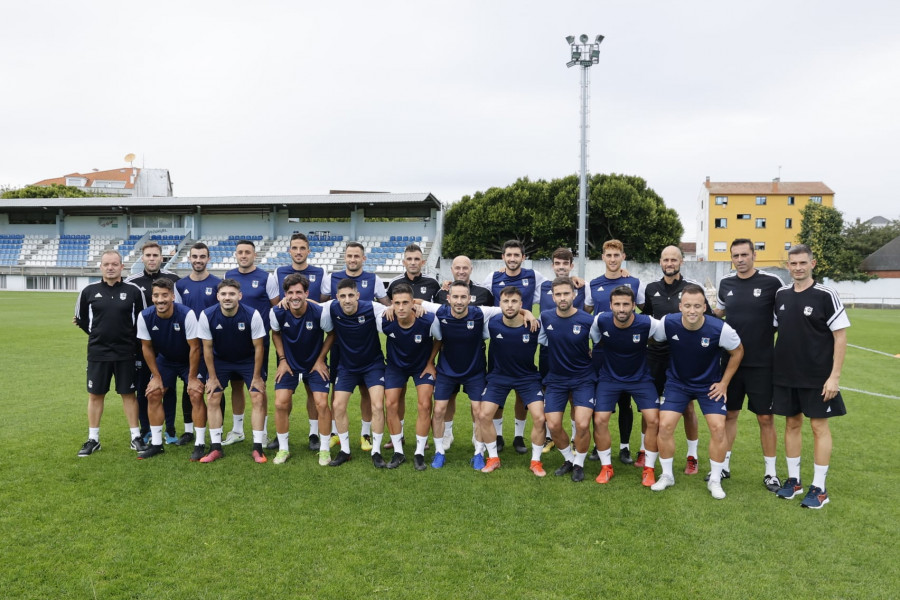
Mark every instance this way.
x=822 y=230
x=54 y=190
x=864 y=239
x=544 y=216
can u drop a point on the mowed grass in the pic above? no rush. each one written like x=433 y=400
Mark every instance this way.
x=110 y=526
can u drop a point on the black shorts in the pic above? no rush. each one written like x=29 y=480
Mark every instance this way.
x=789 y=402
x=756 y=384
x=99 y=374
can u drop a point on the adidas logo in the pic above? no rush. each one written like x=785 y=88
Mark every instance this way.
x=605 y=334
x=444 y=321
x=155 y=328
x=99 y=295
x=600 y=289
x=502 y=283
x=286 y=325
x=730 y=294
x=187 y=291
x=549 y=327
x=219 y=326
x=541 y=394
x=781 y=307
x=656 y=295
x=381 y=379
x=393 y=336
x=675 y=337
x=829 y=410
x=499 y=336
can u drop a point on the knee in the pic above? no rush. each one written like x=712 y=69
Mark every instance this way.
x=283 y=404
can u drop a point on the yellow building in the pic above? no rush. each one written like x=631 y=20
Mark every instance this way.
x=767 y=213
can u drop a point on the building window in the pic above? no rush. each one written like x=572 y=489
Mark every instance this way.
x=720 y=246
x=787 y=245
x=759 y=245
x=788 y=223
x=760 y=223
x=721 y=200
x=743 y=217
x=816 y=199
x=760 y=200
x=721 y=223
x=790 y=200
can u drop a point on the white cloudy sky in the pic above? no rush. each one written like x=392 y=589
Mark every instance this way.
x=297 y=97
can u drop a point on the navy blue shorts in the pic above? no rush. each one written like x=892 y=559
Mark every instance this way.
x=171 y=372
x=556 y=393
x=445 y=387
x=347 y=381
x=229 y=371
x=313 y=380
x=498 y=388
x=608 y=393
x=676 y=397
x=396 y=378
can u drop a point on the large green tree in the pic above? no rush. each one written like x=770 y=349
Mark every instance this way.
x=863 y=239
x=55 y=190
x=822 y=230
x=544 y=216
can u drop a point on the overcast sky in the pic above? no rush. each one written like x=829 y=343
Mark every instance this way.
x=246 y=98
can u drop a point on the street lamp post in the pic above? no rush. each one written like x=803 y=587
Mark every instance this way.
x=584 y=54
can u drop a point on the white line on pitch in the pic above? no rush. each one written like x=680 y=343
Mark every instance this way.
x=872 y=393
x=870 y=350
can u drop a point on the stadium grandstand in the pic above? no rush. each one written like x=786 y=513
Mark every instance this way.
x=56 y=243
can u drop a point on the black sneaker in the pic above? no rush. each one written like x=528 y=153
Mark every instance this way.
x=138 y=444
x=378 y=461
x=625 y=456
x=594 y=455
x=198 y=453
x=150 y=452
x=772 y=483
x=314 y=443
x=501 y=443
x=273 y=444
x=186 y=438
x=340 y=459
x=88 y=448
x=727 y=475
x=419 y=462
x=519 y=444
x=396 y=460
x=577 y=473
x=564 y=469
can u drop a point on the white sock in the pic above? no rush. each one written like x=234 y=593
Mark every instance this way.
x=492 y=449
x=692 y=448
x=819 y=473
x=324 y=436
x=215 y=435
x=567 y=453
x=135 y=432
x=666 y=464
x=536 y=451
x=265 y=429
x=156 y=435
x=438 y=446
x=793 y=465
x=498 y=426
x=519 y=428
x=579 y=459
x=238 y=423
x=345 y=442
x=366 y=428
x=376 y=442
x=200 y=436
x=547 y=432
x=727 y=463
x=398 y=444
x=715 y=473
x=479 y=447
x=283 y=441
x=448 y=429
x=770 y=465
x=421 y=440
x=334 y=430
x=313 y=427
x=94 y=433
x=605 y=456
x=402 y=425
x=573 y=428
x=624 y=446
x=650 y=459
x=643 y=435
x=189 y=428
x=259 y=436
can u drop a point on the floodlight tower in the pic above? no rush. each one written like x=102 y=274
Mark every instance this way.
x=584 y=54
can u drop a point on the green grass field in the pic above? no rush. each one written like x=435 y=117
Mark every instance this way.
x=110 y=526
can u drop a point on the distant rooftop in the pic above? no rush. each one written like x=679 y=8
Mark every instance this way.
x=725 y=188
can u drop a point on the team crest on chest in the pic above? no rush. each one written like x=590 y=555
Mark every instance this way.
x=241 y=326
x=471 y=298
x=636 y=338
x=309 y=325
x=255 y=283
x=176 y=326
x=526 y=337
x=757 y=292
x=704 y=342
x=470 y=324
x=525 y=283
x=807 y=310
x=361 y=318
x=417 y=339
x=123 y=296
x=312 y=278
x=423 y=289
x=209 y=291
x=365 y=283
x=576 y=329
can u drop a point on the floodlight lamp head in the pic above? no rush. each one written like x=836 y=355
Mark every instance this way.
x=570 y=39
x=598 y=39
x=584 y=38
x=571 y=63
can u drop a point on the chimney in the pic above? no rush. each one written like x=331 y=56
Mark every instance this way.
x=775 y=183
x=707 y=182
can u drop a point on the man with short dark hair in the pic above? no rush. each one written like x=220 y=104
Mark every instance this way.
x=107 y=311
x=695 y=373
x=171 y=348
x=747 y=299
x=198 y=292
x=809 y=355
x=232 y=335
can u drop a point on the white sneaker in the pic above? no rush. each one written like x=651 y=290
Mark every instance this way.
x=715 y=488
x=448 y=440
x=233 y=437
x=662 y=483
